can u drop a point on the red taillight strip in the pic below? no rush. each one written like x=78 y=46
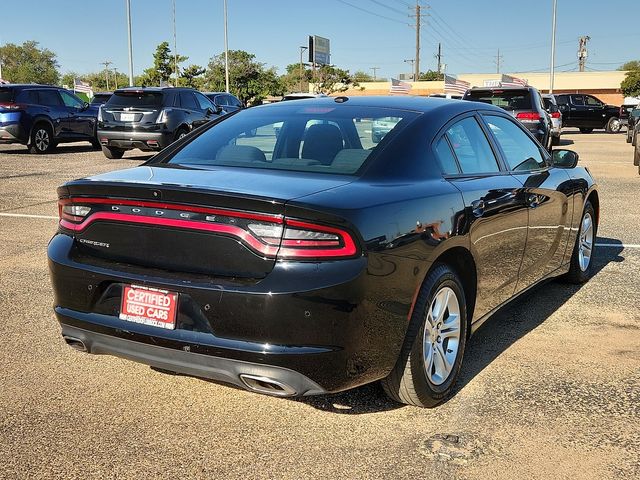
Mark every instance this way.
x=170 y=222
x=172 y=206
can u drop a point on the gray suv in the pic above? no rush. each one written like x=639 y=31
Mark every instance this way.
x=150 y=118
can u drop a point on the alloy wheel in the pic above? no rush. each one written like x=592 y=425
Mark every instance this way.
x=441 y=336
x=42 y=140
x=585 y=245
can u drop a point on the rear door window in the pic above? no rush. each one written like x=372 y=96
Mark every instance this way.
x=520 y=151
x=29 y=97
x=49 y=98
x=471 y=147
x=446 y=156
x=6 y=95
x=577 y=100
x=188 y=101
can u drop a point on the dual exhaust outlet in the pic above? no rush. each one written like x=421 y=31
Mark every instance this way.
x=255 y=383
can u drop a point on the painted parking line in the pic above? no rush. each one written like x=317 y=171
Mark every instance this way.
x=51 y=217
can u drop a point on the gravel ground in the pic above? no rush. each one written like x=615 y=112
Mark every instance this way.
x=550 y=387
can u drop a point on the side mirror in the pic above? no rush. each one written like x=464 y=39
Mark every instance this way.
x=85 y=105
x=564 y=158
x=218 y=110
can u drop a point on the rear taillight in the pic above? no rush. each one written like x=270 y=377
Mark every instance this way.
x=100 y=113
x=11 y=106
x=162 y=116
x=530 y=116
x=555 y=115
x=268 y=235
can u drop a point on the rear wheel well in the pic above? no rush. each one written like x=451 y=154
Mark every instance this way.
x=461 y=261
x=595 y=201
x=39 y=122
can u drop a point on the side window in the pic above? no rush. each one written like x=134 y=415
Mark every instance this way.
x=562 y=100
x=471 y=147
x=187 y=101
x=446 y=157
x=263 y=141
x=234 y=101
x=71 y=101
x=29 y=97
x=521 y=152
x=577 y=99
x=592 y=101
x=218 y=100
x=49 y=98
x=204 y=102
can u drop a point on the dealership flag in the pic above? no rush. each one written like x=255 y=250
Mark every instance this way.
x=509 y=81
x=453 y=85
x=80 y=86
x=398 y=86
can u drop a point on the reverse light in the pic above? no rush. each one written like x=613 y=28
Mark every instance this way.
x=100 y=113
x=528 y=116
x=162 y=116
x=73 y=213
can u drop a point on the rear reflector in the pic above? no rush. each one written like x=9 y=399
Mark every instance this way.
x=267 y=235
x=528 y=116
x=555 y=115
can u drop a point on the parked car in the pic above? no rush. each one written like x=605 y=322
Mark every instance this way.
x=308 y=263
x=446 y=95
x=225 y=102
x=587 y=112
x=42 y=116
x=100 y=98
x=632 y=120
x=552 y=109
x=380 y=127
x=523 y=103
x=150 y=118
x=302 y=96
x=636 y=143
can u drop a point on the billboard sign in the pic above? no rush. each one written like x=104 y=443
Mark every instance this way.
x=319 y=50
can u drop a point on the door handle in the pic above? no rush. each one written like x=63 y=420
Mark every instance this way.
x=477 y=208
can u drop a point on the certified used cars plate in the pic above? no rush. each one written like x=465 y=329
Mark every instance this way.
x=149 y=306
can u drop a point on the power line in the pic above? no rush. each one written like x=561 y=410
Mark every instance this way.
x=372 y=13
x=387 y=7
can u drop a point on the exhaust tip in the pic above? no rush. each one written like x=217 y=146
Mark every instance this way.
x=76 y=344
x=267 y=385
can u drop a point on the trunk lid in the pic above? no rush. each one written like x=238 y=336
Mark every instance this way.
x=185 y=220
x=129 y=108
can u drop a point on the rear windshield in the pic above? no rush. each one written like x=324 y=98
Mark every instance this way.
x=135 y=99
x=99 y=98
x=6 y=95
x=298 y=136
x=507 y=99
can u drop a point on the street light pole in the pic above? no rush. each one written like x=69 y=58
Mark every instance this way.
x=226 y=50
x=130 y=45
x=175 y=46
x=302 y=49
x=553 y=47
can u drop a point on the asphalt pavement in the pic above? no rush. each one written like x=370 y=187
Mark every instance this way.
x=550 y=386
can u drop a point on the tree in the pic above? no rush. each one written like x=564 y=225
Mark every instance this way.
x=248 y=79
x=431 y=75
x=632 y=65
x=293 y=81
x=28 y=63
x=191 y=76
x=630 y=86
x=330 y=79
x=97 y=80
x=163 y=66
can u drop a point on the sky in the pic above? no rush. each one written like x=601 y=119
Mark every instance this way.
x=363 y=33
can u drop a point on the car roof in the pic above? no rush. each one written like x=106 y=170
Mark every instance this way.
x=400 y=102
x=30 y=85
x=153 y=89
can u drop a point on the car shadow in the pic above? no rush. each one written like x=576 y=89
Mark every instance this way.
x=565 y=141
x=18 y=149
x=503 y=329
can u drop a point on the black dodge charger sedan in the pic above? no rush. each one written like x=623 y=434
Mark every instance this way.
x=313 y=260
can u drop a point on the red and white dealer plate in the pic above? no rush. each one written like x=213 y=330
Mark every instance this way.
x=149 y=306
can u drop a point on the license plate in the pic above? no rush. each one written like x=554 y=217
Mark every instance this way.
x=127 y=117
x=149 y=306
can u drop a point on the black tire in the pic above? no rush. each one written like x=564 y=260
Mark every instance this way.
x=96 y=144
x=636 y=155
x=555 y=140
x=613 y=125
x=112 y=153
x=577 y=274
x=408 y=381
x=180 y=133
x=586 y=130
x=634 y=138
x=41 y=140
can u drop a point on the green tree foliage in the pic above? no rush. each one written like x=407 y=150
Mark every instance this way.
x=632 y=65
x=361 y=76
x=631 y=84
x=28 y=63
x=431 y=75
x=97 y=80
x=163 y=66
x=248 y=79
x=291 y=79
x=330 y=79
x=192 y=76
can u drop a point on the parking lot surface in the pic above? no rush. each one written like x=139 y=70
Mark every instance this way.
x=550 y=386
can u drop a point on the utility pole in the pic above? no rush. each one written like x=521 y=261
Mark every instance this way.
x=302 y=50
x=416 y=75
x=175 y=46
x=498 y=61
x=439 y=57
x=115 y=76
x=374 y=72
x=552 y=69
x=130 y=45
x=226 y=50
x=582 y=52
x=106 y=64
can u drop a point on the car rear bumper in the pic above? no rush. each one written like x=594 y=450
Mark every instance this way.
x=327 y=325
x=11 y=130
x=143 y=140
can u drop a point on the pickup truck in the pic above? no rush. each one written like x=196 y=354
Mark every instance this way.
x=587 y=112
